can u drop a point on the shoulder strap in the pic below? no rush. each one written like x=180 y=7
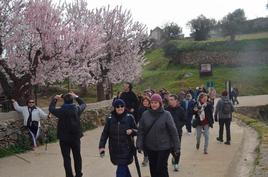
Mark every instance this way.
x=149 y=129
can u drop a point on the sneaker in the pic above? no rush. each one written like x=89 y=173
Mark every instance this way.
x=176 y=167
x=227 y=143
x=205 y=152
x=220 y=140
x=197 y=146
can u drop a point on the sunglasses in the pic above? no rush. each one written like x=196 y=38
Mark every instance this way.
x=31 y=102
x=120 y=106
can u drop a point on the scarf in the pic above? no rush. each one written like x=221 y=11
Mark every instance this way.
x=202 y=111
x=29 y=121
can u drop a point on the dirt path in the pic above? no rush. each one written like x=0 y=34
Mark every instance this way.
x=220 y=162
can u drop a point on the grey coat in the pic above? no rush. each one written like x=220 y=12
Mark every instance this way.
x=162 y=136
x=219 y=113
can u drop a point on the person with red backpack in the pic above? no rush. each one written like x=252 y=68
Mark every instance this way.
x=223 y=114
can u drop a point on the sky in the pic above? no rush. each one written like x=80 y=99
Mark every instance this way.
x=155 y=13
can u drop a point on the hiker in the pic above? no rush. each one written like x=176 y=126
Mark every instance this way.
x=130 y=99
x=31 y=115
x=234 y=95
x=203 y=118
x=158 y=136
x=212 y=95
x=179 y=117
x=69 y=130
x=120 y=128
x=223 y=114
x=145 y=106
x=188 y=105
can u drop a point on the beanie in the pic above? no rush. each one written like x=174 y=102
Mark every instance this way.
x=119 y=102
x=157 y=97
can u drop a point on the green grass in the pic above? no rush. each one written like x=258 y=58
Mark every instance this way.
x=256 y=41
x=159 y=73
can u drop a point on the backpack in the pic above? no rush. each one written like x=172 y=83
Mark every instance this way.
x=227 y=108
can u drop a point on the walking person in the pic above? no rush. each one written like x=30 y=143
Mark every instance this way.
x=203 y=115
x=69 y=130
x=223 y=114
x=120 y=128
x=31 y=115
x=188 y=105
x=145 y=106
x=179 y=117
x=158 y=136
x=130 y=99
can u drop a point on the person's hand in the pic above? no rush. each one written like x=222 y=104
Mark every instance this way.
x=13 y=101
x=49 y=116
x=73 y=94
x=132 y=110
x=129 y=131
x=102 y=152
x=57 y=97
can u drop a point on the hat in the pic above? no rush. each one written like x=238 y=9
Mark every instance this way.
x=118 y=102
x=156 y=97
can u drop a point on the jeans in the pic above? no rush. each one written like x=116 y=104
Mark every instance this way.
x=227 y=123
x=66 y=148
x=158 y=161
x=199 y=130
x=123 y=171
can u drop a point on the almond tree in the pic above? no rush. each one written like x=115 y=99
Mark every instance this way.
x=124 y=40
x=34 y=49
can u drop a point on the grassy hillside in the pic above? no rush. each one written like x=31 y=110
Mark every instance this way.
x=159 y=73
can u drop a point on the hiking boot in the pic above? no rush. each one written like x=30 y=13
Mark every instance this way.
x=227 y=143
x=197 y=146
x=205 y=152
x=220 y=140
x=176 y=167
x=145 y=161
x=173 y=161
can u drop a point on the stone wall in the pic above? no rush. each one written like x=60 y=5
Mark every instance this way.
x=12 y=130
x=228 y=58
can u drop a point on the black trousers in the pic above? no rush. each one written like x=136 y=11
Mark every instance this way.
x=158 y=161
x=66 y=148
x=177 y=156
x=227 y=124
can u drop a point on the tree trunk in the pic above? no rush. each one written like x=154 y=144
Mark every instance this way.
x=83 y=90
x=100 y=92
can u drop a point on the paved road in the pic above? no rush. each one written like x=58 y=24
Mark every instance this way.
x=220 y=161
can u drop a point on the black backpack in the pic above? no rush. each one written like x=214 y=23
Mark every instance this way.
x=227 y=107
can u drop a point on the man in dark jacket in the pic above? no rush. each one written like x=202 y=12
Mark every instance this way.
x=179 y=117
x=131 y=100
x=223 y=114
x=69 y=130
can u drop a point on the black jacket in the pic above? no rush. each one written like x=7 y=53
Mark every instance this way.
x=179 y=117
x=131 y=100
x=141 y=110
x=69 y=127
x=120 y=144
x=208 y=113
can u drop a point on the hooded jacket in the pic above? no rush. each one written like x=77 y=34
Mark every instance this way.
x=69 y=127
x=162 y=136
x=219 y=109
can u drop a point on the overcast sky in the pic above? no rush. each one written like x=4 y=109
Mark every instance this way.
x=158 y=12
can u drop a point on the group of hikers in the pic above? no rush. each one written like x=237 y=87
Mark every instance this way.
x=150 y=123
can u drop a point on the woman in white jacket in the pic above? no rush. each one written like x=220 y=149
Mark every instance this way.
x=31 y=116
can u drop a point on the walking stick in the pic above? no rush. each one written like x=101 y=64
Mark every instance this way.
x=134 y=149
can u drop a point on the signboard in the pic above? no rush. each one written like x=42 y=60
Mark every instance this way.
x=205 y=69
